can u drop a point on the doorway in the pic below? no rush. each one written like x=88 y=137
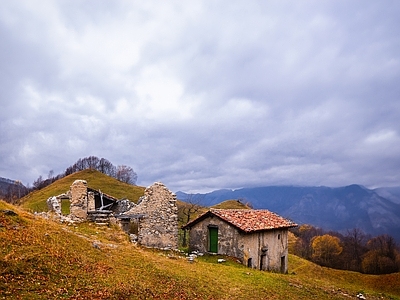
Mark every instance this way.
x=283 y=264
x=263 y=262
x=213 y=239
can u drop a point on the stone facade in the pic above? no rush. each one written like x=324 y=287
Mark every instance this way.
x=157 y=215
x=265 y=249
x=261 y=250
x=79 y=199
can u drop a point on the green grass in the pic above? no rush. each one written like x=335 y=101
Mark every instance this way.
x=36 y=201
x=41 y=259
x=231 y=204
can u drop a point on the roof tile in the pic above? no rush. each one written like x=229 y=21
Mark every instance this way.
x=250 y=220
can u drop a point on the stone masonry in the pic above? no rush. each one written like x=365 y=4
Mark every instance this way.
x=54 y=204
x=79 y=199
x=158 y=224
x=156 y=213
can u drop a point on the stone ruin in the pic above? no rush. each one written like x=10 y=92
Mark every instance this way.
x=154 y=220
x=156 y=215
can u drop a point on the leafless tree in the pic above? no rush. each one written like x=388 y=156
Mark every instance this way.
x=106 y=167
x=190 y=207
x=37 y=184
x=126 y=174
x=92 y=162
x=354 y=244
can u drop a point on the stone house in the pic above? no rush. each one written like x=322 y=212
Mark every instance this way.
x=155 y=216
x=258 y=238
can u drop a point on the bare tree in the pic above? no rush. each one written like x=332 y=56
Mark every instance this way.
x=122 y=173
x=188 y=210
x=126 y=174
x=92 y=162
x=15 y=192
x=106 y=167
x=354 y=244
x=37 y=184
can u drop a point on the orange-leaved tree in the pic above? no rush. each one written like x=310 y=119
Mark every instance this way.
x=325 y=249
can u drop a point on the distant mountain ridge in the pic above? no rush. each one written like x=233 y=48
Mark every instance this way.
x=8 y=181
x=374 y=211
x=6 y=184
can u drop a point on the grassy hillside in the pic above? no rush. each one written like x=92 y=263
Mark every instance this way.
x=231 y=204
x=36 y=201
x=44 y=260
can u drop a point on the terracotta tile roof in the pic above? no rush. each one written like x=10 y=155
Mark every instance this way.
x=248 y=220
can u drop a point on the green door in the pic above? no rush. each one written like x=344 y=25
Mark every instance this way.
x=213 y=238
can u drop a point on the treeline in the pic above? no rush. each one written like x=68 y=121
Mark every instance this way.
x=353 y=251
x=121 y=172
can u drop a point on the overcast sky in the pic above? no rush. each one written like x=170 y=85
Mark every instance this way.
x=202 y=95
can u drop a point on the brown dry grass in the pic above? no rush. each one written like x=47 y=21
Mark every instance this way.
x=40 y=259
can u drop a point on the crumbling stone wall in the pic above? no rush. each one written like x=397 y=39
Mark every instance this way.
x=79 y=199
x=156 y=213
x=90 y=201
x=123 y=206
x=54 y=204
x=158 y=226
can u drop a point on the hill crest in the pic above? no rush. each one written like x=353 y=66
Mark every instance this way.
x=36 y=200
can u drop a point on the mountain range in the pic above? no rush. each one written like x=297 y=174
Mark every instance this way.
x=375 y=211
x=6 y=183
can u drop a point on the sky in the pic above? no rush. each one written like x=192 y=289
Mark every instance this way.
x=203 y=95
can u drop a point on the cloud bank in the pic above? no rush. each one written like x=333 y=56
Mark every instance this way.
x=203 y=95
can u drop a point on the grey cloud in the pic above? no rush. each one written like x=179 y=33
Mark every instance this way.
x=206 y=95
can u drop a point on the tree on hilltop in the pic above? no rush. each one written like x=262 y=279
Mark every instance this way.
x=122 y=173
x=126 y=174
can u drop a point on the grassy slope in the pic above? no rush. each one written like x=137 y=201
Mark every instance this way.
x=228 y=204
x=36 y=201
x=44 y=260
x=231 y=204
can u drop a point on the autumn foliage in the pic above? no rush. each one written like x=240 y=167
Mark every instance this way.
x=326 y=248
x=353 y=251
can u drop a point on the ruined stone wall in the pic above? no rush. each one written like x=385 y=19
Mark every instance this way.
x=54 y=204
x=79 y=199
x=90 y=201
x=159 y=225
x=156 y=212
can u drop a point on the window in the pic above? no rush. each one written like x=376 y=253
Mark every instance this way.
x=279 y=236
